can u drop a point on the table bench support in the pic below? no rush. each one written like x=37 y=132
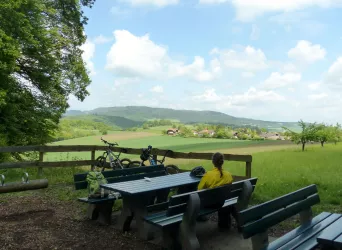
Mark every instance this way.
x=101 y=212
x=305 y=216
x=259 y=241
x=187 y=230
x=135 y=206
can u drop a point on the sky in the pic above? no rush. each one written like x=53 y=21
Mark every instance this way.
x=262 y=59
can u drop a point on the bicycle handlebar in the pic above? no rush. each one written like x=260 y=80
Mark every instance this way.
x=110 y=144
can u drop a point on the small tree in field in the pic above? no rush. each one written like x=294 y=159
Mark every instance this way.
x=308 y=133
x=325 y=134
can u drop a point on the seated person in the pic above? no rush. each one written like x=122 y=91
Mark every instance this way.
x=215 y=178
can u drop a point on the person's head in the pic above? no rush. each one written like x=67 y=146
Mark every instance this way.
x=218 y=160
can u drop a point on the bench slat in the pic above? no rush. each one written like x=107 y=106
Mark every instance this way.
x=270 y=220
x=97 y=201
x=121 y=172
x=84 y=184
x=308 y=239
x=158 y=207
x=162 y=220
x=261 y=210
x=236 y=188
x=330 y=234
x=296 y=232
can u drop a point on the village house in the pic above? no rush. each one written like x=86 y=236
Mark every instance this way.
x=172 y=131
x=206 y=131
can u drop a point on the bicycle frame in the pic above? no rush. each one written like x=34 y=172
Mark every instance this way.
x=113 y=159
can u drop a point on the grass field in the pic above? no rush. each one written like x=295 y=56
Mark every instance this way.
x=280 y=168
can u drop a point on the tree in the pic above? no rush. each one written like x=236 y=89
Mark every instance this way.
x=41 y=65
x=325 y=134
x=145 y=126
x=308 y=133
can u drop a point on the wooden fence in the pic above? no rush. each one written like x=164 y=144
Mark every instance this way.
x=92 y=150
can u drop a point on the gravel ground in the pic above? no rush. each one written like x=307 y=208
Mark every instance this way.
x=39 y=223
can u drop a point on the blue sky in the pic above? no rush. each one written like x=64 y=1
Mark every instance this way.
x=263 y=59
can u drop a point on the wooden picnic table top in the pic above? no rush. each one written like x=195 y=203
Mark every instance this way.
x=331 y=236
x=156 y=183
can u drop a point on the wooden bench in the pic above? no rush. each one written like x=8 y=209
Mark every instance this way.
x=256 y=220
x=178 y=222
x=101 y=209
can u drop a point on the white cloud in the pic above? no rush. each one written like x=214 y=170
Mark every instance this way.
x=158 y=3
x=278 y=80
x=255 y=34
x=333 y=78
x=157 y=89
x=316 y=97
x=101 y=39
x=248 y=10
x=247 y=74
x=249 y=59
x=314 y=85
x=134 y=56
x=306 y=52
x=120 y=12
x=251 y=96
x=87 y=55
x=209 y=95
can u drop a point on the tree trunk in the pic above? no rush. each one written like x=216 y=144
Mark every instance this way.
x=303 y=146
x=322 y=143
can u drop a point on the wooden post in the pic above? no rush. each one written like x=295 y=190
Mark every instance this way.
x=249 y=169
x=93 y=159
x=41 y=158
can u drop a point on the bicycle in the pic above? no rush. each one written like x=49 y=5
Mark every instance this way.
x=114 y=160
x=147 y=155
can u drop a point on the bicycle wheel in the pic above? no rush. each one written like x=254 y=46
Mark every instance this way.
x=135 y=164
x=125 y=162
x=100 y=162
x=172 y=169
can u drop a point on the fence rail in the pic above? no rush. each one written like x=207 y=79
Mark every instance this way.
x=93 y=148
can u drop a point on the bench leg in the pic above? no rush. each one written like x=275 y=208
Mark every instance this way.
x=260 y=241
x=126 y=215
x=243 y=201
x=224 y=217
x=171 y=238
x=92 y=212
x=187 y=230
x=305 y=215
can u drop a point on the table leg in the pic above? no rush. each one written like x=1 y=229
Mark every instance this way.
x=135 y=206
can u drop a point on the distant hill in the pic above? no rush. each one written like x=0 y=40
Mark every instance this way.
x=115 y=121
x=139 y=114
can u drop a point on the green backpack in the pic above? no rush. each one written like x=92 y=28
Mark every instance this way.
x=95 y=179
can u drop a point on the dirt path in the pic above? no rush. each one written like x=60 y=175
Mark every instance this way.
x=33 y=222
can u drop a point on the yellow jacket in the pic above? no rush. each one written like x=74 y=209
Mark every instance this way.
x=212 y=179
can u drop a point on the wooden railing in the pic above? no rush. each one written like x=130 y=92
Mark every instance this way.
x=93 y=148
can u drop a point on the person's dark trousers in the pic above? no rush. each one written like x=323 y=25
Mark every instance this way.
x=224 y=217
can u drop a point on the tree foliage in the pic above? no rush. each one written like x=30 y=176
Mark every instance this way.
x=40 y=66
x=308 y=133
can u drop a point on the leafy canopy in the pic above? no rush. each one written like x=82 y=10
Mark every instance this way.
x=40 y=66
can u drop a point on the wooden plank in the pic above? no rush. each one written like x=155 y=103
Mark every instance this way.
x=121 y=172
x=331 y=233
x=97 y=201
x=277 y=217
x=84 y=184
x=297 y=231
x=135 y=151
x=308 y=239
x=268 y=207
x=92 y=158
x=338 y=242
x=32 y=164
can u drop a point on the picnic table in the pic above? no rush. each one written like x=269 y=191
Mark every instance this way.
x=331 y=236
x=136 y=197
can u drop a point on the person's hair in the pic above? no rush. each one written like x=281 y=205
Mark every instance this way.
x=218 y=160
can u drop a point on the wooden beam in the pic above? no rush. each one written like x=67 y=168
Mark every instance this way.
x=134 y=151
x=19 y=186
x=34 y=164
